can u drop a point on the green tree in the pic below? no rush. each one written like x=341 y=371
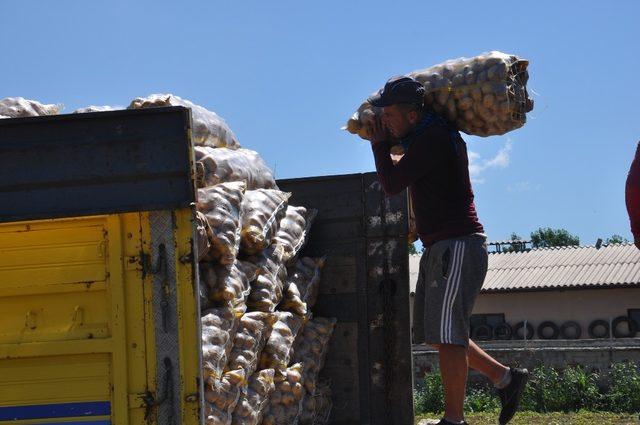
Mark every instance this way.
x=546 y=237
x=514 y=247
x=412 y=249
x=616 y=239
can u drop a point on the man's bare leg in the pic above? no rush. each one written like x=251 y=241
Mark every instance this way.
x=454 y=364
x=485 y=364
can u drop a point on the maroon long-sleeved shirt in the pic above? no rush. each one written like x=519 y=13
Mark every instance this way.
x=632 y=195
x=435 y=168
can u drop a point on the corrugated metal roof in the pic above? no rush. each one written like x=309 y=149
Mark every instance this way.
x=557 y=268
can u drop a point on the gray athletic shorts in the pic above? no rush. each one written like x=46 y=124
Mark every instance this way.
x=451 y=275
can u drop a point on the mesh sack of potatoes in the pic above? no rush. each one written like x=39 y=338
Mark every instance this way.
x=221 y=397
x=254 y=398
x=302 y=284
x=261 y=212
x=221 y=205
x=19 y=107
x=250 y=339
x=308 y=412
x=266 y=289
x=323 y=403
x=208 y=129
x=230 y=285
x=203 y=293
x=219 y=327
x=293 y=231
x=310 y=349
x=221 y=165
x=204 y=235
x=286 y=401
x=276 y=353
x=483 y=96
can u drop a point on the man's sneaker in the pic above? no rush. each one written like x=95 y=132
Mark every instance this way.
x=511 y=395
x=437 y=422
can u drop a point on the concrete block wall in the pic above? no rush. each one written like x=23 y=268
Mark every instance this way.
x=591 y=354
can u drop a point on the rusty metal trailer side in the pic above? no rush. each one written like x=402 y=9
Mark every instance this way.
x=365 y=285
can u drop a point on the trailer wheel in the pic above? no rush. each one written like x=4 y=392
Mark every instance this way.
x=555 y=331
x=482 y=333
x=577 y=330
x=519 y=327
x=631 y=325
x=599 y=324
x=503 y=332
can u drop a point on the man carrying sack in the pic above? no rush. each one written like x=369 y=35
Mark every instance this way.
x=632 y=196
x=435 y=168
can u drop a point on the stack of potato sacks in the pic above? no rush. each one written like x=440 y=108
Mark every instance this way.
x=19 y=107
x=255 y=290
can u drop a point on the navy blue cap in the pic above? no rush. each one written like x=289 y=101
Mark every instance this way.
x=400 y=89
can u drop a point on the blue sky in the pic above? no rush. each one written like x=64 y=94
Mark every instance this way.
x=286 y=75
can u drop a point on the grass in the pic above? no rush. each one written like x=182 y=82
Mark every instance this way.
x=572 y=389
x=556 y=418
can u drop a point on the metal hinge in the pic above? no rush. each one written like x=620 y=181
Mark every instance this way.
x=149 y=400
x=187 y=258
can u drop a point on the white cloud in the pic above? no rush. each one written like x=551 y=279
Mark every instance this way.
x=477 y=165
x=523 y=186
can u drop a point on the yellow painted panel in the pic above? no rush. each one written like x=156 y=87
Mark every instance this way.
x=54 y=348
x=57 y=379
x=79 y=420
x=35 y=285
x=57 y=223
x=189 y=317
x=77 y=314
x=49 y=317
x=119 y=384
x=137 y=377
x=42 y=257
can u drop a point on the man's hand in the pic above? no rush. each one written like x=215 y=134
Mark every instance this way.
x=379 y=131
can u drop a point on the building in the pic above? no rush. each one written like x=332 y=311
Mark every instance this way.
x=558 y=285
x=552 y=287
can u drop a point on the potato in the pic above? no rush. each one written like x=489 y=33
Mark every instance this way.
x=353 y=126
x=488 y=100
x=442 y=97
x=465 y=104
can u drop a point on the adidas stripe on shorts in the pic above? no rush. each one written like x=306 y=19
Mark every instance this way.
x=451 y=275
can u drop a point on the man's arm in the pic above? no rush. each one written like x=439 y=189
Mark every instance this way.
x=393 y=178
x=415 y=163
x=632 y=195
